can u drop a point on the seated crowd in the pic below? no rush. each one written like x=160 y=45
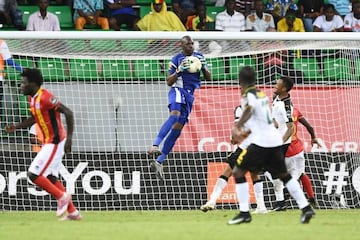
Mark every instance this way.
x=191 y=15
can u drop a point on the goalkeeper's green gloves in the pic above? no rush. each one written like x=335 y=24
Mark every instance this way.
x=183 y=67
x=203 y=63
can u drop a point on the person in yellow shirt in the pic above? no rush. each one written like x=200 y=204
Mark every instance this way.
x=160 y=19
x=290 y=23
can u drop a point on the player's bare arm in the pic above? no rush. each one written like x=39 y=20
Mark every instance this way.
x=289 y=132
x=24 y=124
x=69 y=118
x=310 y=130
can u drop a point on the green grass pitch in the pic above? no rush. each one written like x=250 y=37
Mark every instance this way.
x=179 y=225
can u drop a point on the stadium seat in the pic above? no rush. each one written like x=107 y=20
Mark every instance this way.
x=24 y=106
x=309 y=67
x=27 y=10
x=114 y=69
x=83 y=69
x=212 y=11
x=217 y=68
x=236 y=63
x=52 y=69
x=144 y=10
x=64 y=14
x=337 y=69
x=148 y=70
x=12 y=74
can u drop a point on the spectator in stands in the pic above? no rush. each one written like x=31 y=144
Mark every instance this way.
x=160 y=19
x=342 y=7
x=121 y=12
x=260 y=21
x=185 y=8
x=200 y=21
x=10 y=14
x=329 y=22
x=352 y=20
x=278 y=8
x=310 y=10
x=290 y=23
x=230 y=20
x=43 y=20
x=244 y=6
x=89 y=12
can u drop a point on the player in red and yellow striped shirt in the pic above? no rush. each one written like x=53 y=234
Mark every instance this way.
x=45 y=111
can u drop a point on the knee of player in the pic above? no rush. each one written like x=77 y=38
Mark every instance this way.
x=32 y=176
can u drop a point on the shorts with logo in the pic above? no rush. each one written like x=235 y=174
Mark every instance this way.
x=48 y=160
x=233 y=157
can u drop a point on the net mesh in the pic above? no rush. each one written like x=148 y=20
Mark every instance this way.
x=116 y=89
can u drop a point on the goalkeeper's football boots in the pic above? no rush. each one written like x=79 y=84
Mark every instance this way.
x=154 y=151
x=157 y=167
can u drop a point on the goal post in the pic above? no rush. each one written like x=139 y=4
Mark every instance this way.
x=115 y=84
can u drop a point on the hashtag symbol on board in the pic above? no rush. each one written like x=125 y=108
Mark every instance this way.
x=335 y=178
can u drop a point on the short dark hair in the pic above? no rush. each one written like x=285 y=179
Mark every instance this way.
x=33 y=75
x=287 y=82
x=329 y=6
x=247 y=76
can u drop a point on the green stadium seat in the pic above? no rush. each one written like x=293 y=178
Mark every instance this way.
x=83 y=69
x=144 y=10
x=24 y=106
x=148 y=70
x=337 y=69
x=52 y=69
x=116 y=69
x=12 y=74
x=76 y=45
x=64 y=14
x=309 y=67
x=134 y=45
x=217 y=68
x=212 y=11
x=236 y=63
x=27 y=10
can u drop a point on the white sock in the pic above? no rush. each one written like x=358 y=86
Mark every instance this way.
x=218 y=188
x=259 y=195
x=296 y=192
x=278 y=189
x=242 y=192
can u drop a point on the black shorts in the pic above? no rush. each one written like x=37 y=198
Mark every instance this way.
x=284 y=148
x=233 y=157
x=257 y=159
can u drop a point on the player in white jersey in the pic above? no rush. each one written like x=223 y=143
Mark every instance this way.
x=227 y=173
x=264 y=153
x=282 y=115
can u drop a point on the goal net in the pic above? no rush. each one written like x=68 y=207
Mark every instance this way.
x=115 y=85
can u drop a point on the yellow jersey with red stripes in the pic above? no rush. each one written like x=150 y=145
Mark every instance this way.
x=43 y=107
x=296 y=146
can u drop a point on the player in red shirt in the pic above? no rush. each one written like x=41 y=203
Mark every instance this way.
x=45 y=111
x=294 y=158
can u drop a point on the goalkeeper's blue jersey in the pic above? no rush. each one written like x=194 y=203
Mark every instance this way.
x=186 y=80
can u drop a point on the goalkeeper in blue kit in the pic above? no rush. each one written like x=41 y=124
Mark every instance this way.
x=180 y=101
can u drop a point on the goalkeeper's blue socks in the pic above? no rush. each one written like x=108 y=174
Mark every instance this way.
x=165 y=128
x=169 y=144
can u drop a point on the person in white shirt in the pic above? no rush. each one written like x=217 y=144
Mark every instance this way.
x=265 y=151
x=230 y=20
x=352 y=20
x=43 y=20
x=328 y=22
x=282 y=116
x=259 y=21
